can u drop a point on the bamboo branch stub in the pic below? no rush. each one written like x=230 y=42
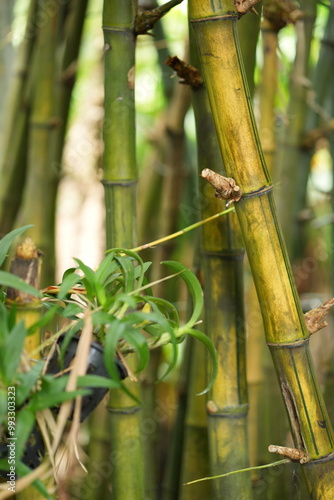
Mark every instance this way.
x=313 y=318
x=191 y=75
x=226 y=187
x=292 y=453
x=146 y=20
x=243 y=6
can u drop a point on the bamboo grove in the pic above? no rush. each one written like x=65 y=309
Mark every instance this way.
x=209 y=148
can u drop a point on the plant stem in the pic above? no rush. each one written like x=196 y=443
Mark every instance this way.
x=286 y=333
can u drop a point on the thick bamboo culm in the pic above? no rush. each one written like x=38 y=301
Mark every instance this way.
x=120 y=179
x=222 y=256
x=119 y=159
x=214 y=25
x=37 y=207
x=26 y=264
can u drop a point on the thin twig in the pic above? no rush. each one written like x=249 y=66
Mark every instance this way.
x=274 y=464
x=182 y=231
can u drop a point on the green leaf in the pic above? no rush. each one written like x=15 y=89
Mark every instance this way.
x=11 y=351
x=128 y=272
x=138 y=341
x=91 y=283
x=213 y=353
x=68 y=282
x=26 y=381
x=71 y=310
x=25 y=421
x=52 y=393
x=194 y=287
x=3 y=403
x=97 y=381
x=7 y=240
x=8 y=279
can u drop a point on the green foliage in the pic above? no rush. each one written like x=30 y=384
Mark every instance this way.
x=125 y=317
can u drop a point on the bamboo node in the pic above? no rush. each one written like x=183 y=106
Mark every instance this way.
x=226 y=187
x=313 y=318
x=292 y=453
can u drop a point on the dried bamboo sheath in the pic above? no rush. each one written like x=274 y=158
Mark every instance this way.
x=214 y=25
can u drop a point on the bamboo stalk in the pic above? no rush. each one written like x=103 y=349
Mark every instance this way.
x=248 y=29
x=120 y=178
x=14 y=157
x=222 y=255
x=119 y=160
x=289 y=152
x=26 y=264
x=38 y=205
x=286 y=333
x=195 y=445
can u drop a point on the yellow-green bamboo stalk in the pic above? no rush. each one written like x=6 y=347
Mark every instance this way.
x=14 y=156
x=214 y=25
x=222 y=255
x=26 y=264
x=261 y=377
x=120 y=178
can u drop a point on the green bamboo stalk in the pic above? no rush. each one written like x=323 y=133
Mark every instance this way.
x=6 y=57
x=289 y=152
x=286 y=334
x=38 y=205
x=119 y=160
x=120 y=178
x=57 y=48
x=222 y=264
x=195 y=444
x=14 y=157
x=173 y=469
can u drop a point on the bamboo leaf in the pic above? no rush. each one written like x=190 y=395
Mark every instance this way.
x=68 y=282
x=194 y=287
x=7 y=240
x=8 y=279
x=11 y=351
x=213 y=353
x=97 y=381
x=26 y=381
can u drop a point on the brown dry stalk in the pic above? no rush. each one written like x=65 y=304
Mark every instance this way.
x=291 y=453
x=313 y=318
x=191 y=75
x=226 y=187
